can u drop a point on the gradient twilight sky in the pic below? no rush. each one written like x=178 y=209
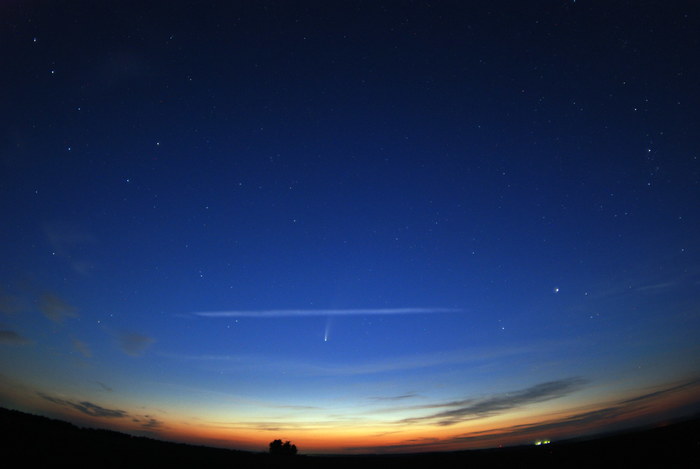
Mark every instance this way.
x=361 y=226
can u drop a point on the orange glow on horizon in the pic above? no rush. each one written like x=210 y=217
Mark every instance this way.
x=371 y=435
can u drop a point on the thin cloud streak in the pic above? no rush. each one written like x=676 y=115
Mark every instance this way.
x=470 y=409
x=394 y=364
x=85 y=407
x=8 y=337
x=134 y=344
x=277 y=313
x=394 y=398
x=55 y=308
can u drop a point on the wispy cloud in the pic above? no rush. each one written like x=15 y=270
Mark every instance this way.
x=470 y=409
x=388 y=365
x=134 y=344
x=68 y=242
x=610 y=416
x=82 y=347
x=209 y=394
x=394 y=398
x=148 y=422
x=11 y=304
x=55 y=308
x=104 y=386
x=8 y=337
x=145 y=422
x=656 y=286
x=276 y=313
x=85 y=407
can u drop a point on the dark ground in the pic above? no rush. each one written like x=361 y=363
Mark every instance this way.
x=29 y=441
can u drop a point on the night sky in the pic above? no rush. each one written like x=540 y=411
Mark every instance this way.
x=360 y=226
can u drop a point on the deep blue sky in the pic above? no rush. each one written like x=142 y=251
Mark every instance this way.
x=415 y=221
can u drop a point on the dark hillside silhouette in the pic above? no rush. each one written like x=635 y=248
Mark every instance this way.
x=38 y=441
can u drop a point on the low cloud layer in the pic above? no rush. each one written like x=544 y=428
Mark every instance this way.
x=86 y=407
x=615 y=415
x=146 y=422
x=470 y=409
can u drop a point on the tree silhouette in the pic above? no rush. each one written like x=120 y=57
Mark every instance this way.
x=282 y=449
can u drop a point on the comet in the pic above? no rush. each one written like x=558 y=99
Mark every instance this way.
x=327 y=332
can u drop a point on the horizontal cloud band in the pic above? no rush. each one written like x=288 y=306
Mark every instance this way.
x=276 y=313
